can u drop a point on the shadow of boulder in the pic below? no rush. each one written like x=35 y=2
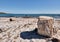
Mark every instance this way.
x=32 y=35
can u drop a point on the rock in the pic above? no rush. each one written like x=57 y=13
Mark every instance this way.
x=12 y=19
x=45 y=25
x=0 y=30
x=57 y=35
x=55 y=40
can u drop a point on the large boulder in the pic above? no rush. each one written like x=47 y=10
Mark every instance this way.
x=45 y=25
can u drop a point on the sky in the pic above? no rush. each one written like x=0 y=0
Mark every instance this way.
x=30 y=6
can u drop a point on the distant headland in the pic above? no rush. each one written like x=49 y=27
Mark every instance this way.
x=3 y=13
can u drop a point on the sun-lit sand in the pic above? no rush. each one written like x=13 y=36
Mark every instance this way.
x=11 y=31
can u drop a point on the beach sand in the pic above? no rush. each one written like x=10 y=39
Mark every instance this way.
x=21 y=30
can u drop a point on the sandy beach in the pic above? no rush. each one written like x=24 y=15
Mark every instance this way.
x=21 y=30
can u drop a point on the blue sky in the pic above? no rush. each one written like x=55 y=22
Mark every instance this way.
x=30 y=6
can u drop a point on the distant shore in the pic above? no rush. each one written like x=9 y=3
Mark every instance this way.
x=3 y=13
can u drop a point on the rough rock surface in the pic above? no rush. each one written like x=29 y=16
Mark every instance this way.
x=45 y=25
x=21 y=30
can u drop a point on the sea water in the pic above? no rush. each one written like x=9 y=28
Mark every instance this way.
x=28 y=15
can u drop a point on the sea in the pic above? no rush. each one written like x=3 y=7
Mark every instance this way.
x=29 y=15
